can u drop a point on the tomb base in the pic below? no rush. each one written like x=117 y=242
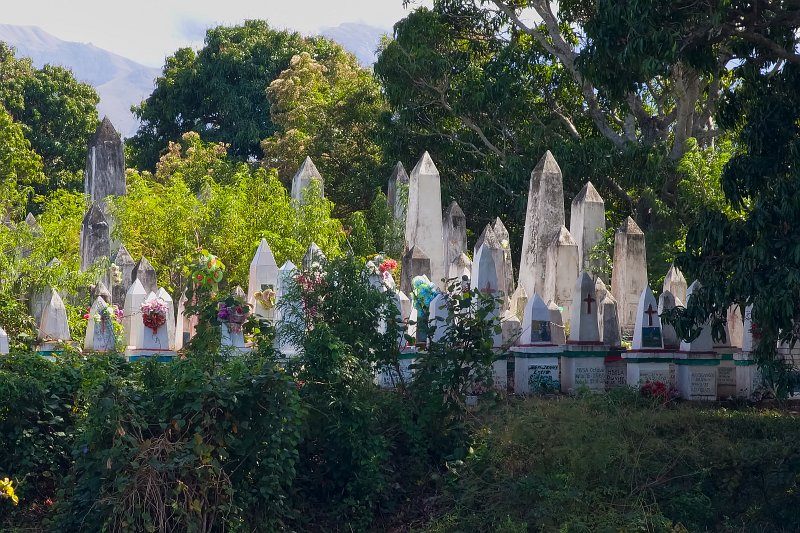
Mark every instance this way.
x=583 y=366
x=163 y=356
x=536 y=369
x=387 y=376
x=650 y=365
x=616 y=370
x=748 y=377
x=697 y=375
x=726 y=376
x=500 y=373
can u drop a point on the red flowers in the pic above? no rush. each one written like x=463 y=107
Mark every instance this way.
x=658 y=390
x=389 y=265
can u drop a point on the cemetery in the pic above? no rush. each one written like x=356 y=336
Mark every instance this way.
x=500 y=275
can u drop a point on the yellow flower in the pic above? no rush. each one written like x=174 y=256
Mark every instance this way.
x=7 y=491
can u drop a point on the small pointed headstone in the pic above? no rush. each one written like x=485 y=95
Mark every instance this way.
x=30 y=220
x=490 y=240
x=313 y=255
x=288 y=314
x=536 y=326
x=609 y=325
x=397 y=192
x=507 y=281
x=670 y=338
x=157 y=339
x=484 y=280
x=3 y=342
x=543 y=220
x=303 y=177
x=455 y=234
x=100 y=290
x=647 y=330
x=126 y=264
x=437 y=317
x=561 y=271
x=557 y=324
x=263 y=274
x=424 y=228
x=583 y=325
x=105 y=165
x=460 y=267
x=167 y=299
x=54 y=324
x=704 y=342
x=99 y=329
x=132 y=318
x=629 y=276
x=146 y=274
x=415 y=263
x=675 y=283
x=184 y=325
x=587 y=223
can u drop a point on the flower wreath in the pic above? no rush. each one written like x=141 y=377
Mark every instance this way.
x=154 y=314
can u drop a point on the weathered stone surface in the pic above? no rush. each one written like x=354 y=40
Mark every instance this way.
x=583 y=326
x=675 y=283
x=609 y=325
x=105 y=165
x=557 y=324
x=415 y=263
x=670 y=338
x=263 y=274
x=145 y=273
x=455 y=234
x=735 y=326
x=313 y=255
x=484 y=280
x=99 y=331
x=397 y=192
x=561 y=271
x=510 y=327
x=54 y=324
x=126 y=264
x=100 y=290
x=629 y=276
x=132 y=317
x=543 y=220
x=587 y=223
x=647 y=331
x=519 y=300
x=490 y=240
x=704 y=342
x=460 y=267
x=303 y=177
x=507 y=281
x=424 y=219
x=749 y=344
x=95 y=242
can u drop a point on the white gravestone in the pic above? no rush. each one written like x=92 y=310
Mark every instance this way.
x=289 y=314
x=171 y=325
x=583 y=325
x=437 y=317
x=484 y=280
x=507 y=279
x=303 y=177
x=647 y=360
x=583 y=359
x=675 y=283
x=629 y=275
x=536 y=359
x=543 y=219
x=99 y=330
x=424 y=216
x=587 y=223
x=263 y=274
x=647 y=329
x=609 y=322
x=132 y=318
x=154 y=340
x=666 y=302
x=54 y=325
x=561 y=271
x=455 y=234
x=557 y=328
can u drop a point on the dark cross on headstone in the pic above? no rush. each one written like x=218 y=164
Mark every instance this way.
x=589 y=301
x=650 y=312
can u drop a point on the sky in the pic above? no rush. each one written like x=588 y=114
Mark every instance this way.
x=148 y=31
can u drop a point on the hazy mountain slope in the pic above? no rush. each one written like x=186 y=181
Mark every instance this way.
x=360 y=39
x=119 y=81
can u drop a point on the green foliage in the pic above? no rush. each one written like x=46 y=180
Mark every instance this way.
x=198 y=199
x=360 y=239
x=219 y=91
x=20 y=168
x=616 y=462
x=328 y=109
x=57 y=115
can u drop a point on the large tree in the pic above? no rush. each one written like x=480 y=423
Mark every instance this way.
x=220 y=91
x=56 y=112
x=20 y=169
x=330 y=110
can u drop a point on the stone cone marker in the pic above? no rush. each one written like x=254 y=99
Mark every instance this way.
x=587 y=223
x=557 y=324
x=397 y=192
x=132 y=318
x=171 y=324
x=54 y=324
x=484 y=280
x=543 y=220
x=629 y=276
x=507 y=280
x=675 y=283
x=490 y=239
x=95 y=243
x=455 y=235
x=102 y=291
x=263 y=274
x=669 y=336
x=105 y=165
x=647 y=332
x=303 y=177
x=536 y=326
x=584 y=324
x=561 y=271
x=414 y=263
x=424 y=229
x=609 y=322
x=146 y=274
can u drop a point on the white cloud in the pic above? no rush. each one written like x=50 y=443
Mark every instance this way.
x=150 y=30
